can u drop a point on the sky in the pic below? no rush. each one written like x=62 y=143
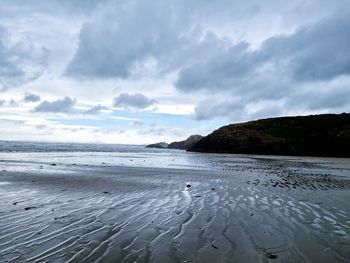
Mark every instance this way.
x=145 y=71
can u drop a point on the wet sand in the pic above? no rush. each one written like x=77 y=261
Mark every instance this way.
x=232 y=209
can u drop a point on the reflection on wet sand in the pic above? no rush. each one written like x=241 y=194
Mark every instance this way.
x=234 y=209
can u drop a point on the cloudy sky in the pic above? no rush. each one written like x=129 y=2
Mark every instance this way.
x=125 y=71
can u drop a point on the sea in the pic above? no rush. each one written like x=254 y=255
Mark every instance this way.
x=100 y=155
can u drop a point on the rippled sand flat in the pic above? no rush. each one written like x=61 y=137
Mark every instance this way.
x=210 y=208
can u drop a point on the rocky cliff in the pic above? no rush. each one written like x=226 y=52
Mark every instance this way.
x=186 y=144
x=315 y=135
x=159 y=145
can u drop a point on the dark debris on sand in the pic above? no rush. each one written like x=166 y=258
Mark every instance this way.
x=282 y=177
x=270 y=255
x=30 y=207
x=214 y=246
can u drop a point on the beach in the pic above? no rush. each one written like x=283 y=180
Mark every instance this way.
x=131 y=204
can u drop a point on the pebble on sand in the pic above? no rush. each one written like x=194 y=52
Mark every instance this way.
x=270 y=255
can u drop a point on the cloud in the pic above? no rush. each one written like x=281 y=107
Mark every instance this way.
x=157 y=131
x=179 y=34
x=310 y=98
x=58 y=106
x=95 y=110
x=54 y=6
x=126 y=39
x=236 y=110
x=314 y=53
x=306 y=71
x=13 y=103
x=317 y=52
x=208 y=109
x=21 y=61
x=134 y=101
x=137 y=123
x=9 y=103
x=173 y=37
x=309 y=45
x=333 y=96
x=224 y=60
x=30 y=97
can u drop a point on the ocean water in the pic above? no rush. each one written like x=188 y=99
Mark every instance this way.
x=99 y=155
x=23 y=146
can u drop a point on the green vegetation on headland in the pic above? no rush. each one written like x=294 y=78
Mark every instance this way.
x=314 y=135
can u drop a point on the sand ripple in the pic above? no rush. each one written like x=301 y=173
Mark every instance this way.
x=130 y=214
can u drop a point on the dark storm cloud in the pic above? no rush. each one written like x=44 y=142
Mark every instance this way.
x=30 y=97
x=136 y=101
x=62 y=105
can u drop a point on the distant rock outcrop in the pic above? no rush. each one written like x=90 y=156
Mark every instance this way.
x=186 y=144
x=181 y=145
x=315 y=135
x=159 y=145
